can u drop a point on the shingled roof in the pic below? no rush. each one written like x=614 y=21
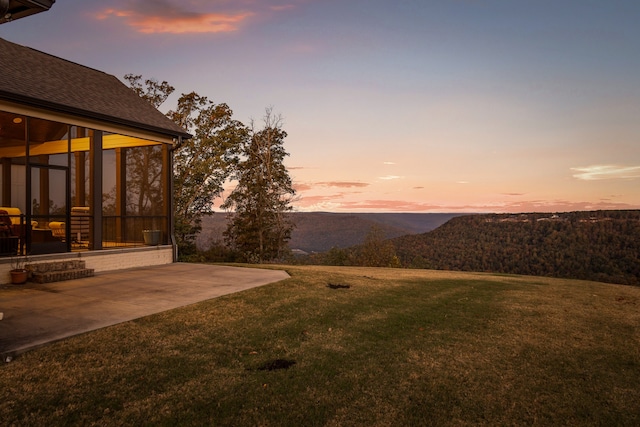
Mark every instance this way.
x=37 y=79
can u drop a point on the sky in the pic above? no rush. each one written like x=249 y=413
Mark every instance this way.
x=397 y=105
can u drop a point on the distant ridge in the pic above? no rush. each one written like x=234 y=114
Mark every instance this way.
x=600 y=245
x=321 y=231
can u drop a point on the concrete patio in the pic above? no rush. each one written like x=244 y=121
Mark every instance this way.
x=34 y=314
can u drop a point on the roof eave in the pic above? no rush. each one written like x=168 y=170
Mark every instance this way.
x=39 y=103
x=13 y=10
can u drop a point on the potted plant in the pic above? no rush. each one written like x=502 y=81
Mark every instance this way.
x=19 y=274
x=151 y=237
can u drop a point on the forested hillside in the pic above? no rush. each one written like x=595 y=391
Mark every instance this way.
x=321 y=231
x=602 y=246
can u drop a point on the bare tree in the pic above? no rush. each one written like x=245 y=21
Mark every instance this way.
x=258 y=227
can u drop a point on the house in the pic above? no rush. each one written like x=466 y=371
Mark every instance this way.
x=85 y=165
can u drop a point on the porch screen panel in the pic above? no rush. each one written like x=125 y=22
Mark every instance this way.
x=133 y=191
x=145 y=189
x=48 y=163
x=48 y=210
x=12 y=160
x=12 y=182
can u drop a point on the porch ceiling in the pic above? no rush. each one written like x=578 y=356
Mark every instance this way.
x=77 y=144
x=10 y=10
x=49 y=137
x=12 y=130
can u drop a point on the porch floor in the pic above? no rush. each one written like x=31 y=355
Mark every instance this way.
x=37 y=314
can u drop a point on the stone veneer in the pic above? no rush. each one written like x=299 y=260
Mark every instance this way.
x=58 y=271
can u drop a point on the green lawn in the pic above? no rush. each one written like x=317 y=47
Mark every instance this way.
x=386 y=347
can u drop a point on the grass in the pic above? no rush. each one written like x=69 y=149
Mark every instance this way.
x=387 y=347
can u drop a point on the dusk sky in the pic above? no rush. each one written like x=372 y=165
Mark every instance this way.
x=397 y=106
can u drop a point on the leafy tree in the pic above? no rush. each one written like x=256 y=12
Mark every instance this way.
x=144 y=164
x=336 y=256
x=258 y=227
x=201 y=164
x=376 y=251
x=144 y=180
x=152 y=90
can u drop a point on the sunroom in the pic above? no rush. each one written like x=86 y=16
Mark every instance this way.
x=85 y=164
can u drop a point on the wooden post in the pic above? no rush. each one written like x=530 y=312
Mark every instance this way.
x=95 y=153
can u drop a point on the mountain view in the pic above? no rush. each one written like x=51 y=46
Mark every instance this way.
x=321 y=231
x=598 y=245
x=602 y=246
x=590 y=245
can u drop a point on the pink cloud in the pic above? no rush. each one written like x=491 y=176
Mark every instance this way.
x=175 y=21
x=605 y=172
x=308 y=186
x=176 y=17
x=337 y=203
x=302 y=187
x=343 y=184
x=559 y=206
x=390 y=205
x=281 y=7
x=311 y=200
